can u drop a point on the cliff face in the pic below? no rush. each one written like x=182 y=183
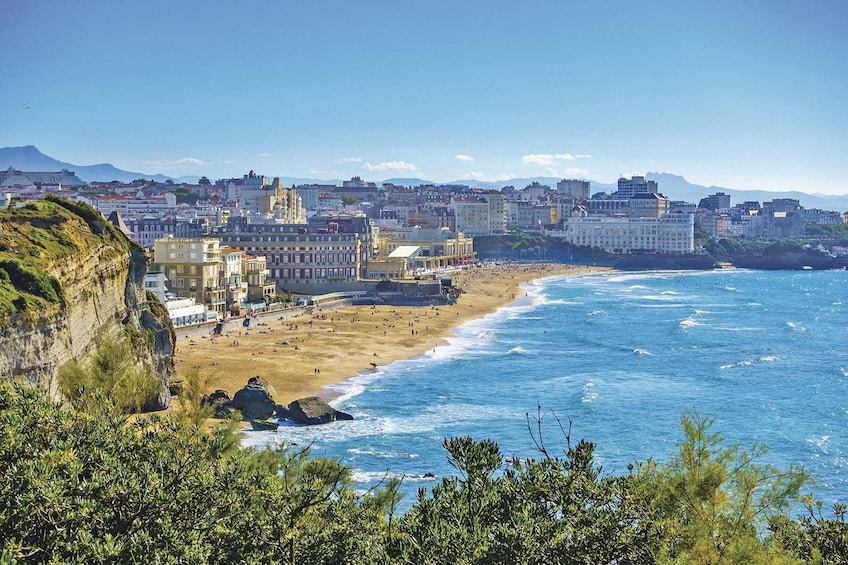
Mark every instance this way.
x=97 y=280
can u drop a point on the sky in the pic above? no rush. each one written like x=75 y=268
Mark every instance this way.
x=742 y=94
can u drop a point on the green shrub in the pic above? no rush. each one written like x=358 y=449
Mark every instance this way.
x=27 y=280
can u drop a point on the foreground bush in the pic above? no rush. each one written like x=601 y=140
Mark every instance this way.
x=87 y=484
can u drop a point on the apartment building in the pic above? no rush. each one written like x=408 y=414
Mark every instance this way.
x=159 y=205
x=193 y=268
x=519 y=214
x=648 y=205
x=482 y=214
x=576 y=188
x=472 y=215
x=260 y=197
x=671 y=233
x=634 y=185
x=147 y=229
x=316 y=258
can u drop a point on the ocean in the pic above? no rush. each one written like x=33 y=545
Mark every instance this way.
x=618 y=358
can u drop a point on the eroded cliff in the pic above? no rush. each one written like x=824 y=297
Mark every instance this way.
x=67 y=277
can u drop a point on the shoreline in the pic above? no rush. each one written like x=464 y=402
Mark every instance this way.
x=303 y=355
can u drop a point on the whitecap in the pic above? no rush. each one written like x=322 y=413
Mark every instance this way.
x=382 y=454
x=746 y=363
x=374 y=477
x=658 y=297
x=688 y=323
x=517 y=350
x=562 y=301
x=639 y=351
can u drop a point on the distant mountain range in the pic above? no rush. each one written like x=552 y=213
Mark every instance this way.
x=29 y=158
x=675 y=187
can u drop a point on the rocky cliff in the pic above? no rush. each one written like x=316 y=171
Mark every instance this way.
x=67 y=277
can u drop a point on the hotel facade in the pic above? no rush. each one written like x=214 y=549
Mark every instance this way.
x=670 y=233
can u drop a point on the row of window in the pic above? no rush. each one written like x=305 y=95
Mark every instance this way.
x=320 y=258
x=319 y=273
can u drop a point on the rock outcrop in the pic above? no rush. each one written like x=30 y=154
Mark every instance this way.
x=66 y=278
x=313 y=410
x=256 y=401
x=220 y=402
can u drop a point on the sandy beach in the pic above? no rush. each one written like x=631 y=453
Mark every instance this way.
x=300 y=355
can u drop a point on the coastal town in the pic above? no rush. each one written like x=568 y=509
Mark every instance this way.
x=430 y=283
x=239 y=244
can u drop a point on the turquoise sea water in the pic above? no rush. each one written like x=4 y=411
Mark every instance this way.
x=621 y=356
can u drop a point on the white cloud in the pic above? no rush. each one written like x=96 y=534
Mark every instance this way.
x=391 y=166
x=177 y=163
x=349 y=160
x=548 y=159
x=538 y=159
x=264 y=154
x=475 y=175
x=319 y=172
x=465 y=158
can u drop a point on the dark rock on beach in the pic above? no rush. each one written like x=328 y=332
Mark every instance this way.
x=220 y=402
x=256 y=400
x=313 y=410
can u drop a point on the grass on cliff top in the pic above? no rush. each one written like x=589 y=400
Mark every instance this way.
x=37 y=239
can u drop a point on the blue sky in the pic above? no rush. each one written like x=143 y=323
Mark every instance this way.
x=739 y=93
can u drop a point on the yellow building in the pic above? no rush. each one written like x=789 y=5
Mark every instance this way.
x=410 y=250
x=193 y=268
x=259 y=289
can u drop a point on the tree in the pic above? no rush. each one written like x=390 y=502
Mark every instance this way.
x=812 y=537
x=112 y=369
x=711 y=502
x=95 y=486
x=548 y=510
x=98 y=486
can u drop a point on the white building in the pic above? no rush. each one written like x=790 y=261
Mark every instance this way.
x=497 y=211
x=472 y=215
x=519 y=214
x=634 y=185
x=672 y=233
x=138 y=206
x=182 y=311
